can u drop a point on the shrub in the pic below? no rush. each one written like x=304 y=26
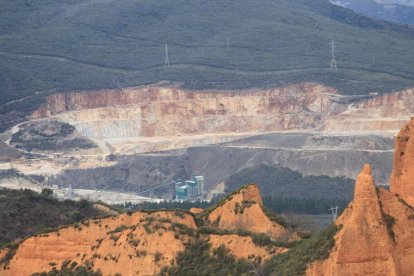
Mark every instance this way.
x=118 y=229
x=47 y=192
x=389 y=221
x=157 y=257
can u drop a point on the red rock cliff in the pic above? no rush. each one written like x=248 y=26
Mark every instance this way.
x=402 y=176
x=376 y=235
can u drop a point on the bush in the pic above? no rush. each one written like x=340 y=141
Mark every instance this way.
x=118 y=229
x=389 y=221
x=261 y=240
x=47 y=192
x=157 y=257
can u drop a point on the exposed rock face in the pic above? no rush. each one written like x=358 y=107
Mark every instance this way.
x=154 y=118
x=196 y=210
x=357 y=244
x=375 y=235
x=126 y=117
x=402 y=176
x=114 y=245
x=155 y=111
x=381 y=114
x=136 y=244
x=243 y=247
x=244 y=210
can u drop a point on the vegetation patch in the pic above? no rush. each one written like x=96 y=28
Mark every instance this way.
x=296 y=260
x=24 y=213
x=199 y=259
x=118 y=229
x=389 y=222
x=280 y=43
x=11 y=251
x=49 y=136
x=273 y=217
x=69 y=268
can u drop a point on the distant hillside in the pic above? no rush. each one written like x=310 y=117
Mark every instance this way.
x=48 y=46
x=285 y=190
x=396 y=11
x=24 y=213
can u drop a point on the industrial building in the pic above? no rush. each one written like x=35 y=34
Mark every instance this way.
x=192 y=189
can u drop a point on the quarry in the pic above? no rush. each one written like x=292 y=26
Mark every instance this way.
x=139 y=135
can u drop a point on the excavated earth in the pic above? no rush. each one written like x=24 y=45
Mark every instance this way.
x=146 y=136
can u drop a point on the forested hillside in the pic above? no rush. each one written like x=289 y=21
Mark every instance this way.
x=285 y=190
x=48 y=46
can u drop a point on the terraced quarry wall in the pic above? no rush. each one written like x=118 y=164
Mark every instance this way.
x=153 y=111
x=340 y=133
x=154 y=118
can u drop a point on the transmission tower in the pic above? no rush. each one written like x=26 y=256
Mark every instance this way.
x=334 y=212
x=333 y=60
x=167 y=59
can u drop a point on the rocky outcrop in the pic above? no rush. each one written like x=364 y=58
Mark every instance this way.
x=244 y=210
x=126 y=244
x=375 y=236
x=377 y=228
x=402 y=176
x=363 y=246
x=140 y=243
x=196 y=210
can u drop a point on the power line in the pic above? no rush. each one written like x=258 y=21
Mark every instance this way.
x=167 y=59
x=333 y=60
x=155 y=188
x=334 y=212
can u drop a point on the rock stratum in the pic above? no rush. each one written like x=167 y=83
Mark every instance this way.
x=376 y=236
x=152 y=134
x=154 y=118
x=141 y=243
